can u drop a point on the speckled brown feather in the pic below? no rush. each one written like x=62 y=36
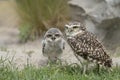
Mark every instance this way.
x=87 y=46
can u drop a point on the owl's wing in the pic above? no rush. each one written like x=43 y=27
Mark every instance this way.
x=91 y=41
x=92 y=47
x=89 y=47
x=43 y=46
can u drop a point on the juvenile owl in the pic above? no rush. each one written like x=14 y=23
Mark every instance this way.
x=53 y=44
x=86 y=45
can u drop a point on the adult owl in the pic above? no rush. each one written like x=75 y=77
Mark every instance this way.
x=53 y=44
x=86 y=45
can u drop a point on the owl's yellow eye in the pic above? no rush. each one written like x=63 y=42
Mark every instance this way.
x=75 y=27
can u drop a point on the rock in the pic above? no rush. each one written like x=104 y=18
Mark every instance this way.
x=101 y=17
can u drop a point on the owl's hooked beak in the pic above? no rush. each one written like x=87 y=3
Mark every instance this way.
x=53 y=38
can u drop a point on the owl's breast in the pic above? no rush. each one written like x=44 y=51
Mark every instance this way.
x=53 y=50
x=73 y=43
x=78 y=44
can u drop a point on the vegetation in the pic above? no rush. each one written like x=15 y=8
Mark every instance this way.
x=39 y=15
x=55 y=72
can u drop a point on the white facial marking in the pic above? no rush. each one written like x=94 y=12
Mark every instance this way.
x=70 y=26
x=80 y=31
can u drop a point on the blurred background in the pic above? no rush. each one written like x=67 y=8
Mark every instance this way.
x=24 y=22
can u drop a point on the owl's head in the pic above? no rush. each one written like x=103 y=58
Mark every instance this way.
x=53 y=35
x=74 y=28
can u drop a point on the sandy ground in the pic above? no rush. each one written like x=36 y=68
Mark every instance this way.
x=30 y=52
x=12 y=50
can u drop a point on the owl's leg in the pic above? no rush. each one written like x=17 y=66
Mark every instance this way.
x=77 y=56
x=54 y=60
x=83 y=64
x=58 y=61
x=51 y=60
x=109 y=69
x=98 y=67
x=85 y=67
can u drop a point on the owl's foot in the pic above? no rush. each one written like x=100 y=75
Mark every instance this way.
x=54 y=60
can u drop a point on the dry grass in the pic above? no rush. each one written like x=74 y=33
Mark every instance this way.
x=39 y=15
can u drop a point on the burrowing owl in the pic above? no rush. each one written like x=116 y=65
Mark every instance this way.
x=86 y=45
x=53 y=44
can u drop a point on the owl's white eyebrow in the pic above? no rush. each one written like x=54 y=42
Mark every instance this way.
x=76 y=25
x=72 y=25
x=67 y=25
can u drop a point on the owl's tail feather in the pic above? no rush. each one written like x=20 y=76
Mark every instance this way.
x=108 y=63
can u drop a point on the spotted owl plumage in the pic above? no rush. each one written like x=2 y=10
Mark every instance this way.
x=86 y=44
